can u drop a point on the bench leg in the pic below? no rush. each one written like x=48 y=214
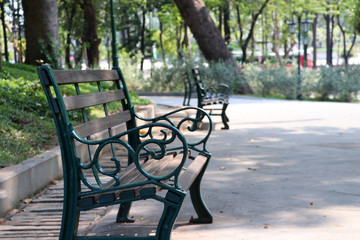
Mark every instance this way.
x=224 y=118
x=70 y=216
x=204 y=214
x=123 y=213
x=167 y=220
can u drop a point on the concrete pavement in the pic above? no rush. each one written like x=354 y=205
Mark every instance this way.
x=285 y=170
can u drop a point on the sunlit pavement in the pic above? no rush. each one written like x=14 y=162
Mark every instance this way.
x=285 y=170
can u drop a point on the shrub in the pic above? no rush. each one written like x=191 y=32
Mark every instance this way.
x=342 y=84
x=169 y=77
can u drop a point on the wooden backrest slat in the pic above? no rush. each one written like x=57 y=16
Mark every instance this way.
x=100 y=124
x=88 y=100
x=74 y=76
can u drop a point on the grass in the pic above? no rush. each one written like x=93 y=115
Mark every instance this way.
x=26 y=125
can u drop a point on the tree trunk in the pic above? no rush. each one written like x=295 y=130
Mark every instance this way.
x=142 y=43
x=332 y=39
x=314 y=42
x=346 y=52
x=244 y=43
x=239 y=21
x=41 y=25
x=161 y=41
x=185 y=42
x=90 y=37
x=220 y=17
x=69 y=28
x=329 y=20
x=2 y=8
x=227 y=33
x=178 y=41
x=207 y=35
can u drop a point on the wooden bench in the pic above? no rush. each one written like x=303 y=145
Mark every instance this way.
x=108 y=159
x=213 y=98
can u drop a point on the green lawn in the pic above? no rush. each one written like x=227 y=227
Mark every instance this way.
x=26 y=125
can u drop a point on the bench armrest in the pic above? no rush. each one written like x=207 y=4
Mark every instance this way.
x=167 y=140
x=189 y=124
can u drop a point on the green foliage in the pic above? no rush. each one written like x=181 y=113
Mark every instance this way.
x=272 y=80
x=341 y=83
x=324 y=84
x=22 y=134
x=26 y=125
x=129 y=66
x=169 y=77
x=51 y=52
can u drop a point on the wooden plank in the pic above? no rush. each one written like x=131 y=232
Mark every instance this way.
x=188 y=176
x=83 y=76
x=100 y=124
x=93 y=99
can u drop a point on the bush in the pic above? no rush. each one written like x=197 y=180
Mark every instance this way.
x=342 y=84
x=169 y=77
x=272 y=80
x=130 y=69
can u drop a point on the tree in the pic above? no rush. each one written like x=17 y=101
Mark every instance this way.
x=314 y=42
x=69 y=9
x=255 y=12
x=2 y=8
x=90 y=37
x=345 y=22
x=207 y=35
x=41 y=31
x=346 y=52
x=356 y=20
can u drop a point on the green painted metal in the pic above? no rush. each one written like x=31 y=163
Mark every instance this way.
x=212 y=95
x=81 y=193
x=187 y=88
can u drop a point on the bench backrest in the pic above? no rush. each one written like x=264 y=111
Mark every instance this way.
x=71 y=96
x=200 y=89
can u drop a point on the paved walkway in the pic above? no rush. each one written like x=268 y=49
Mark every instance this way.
x=286 y=170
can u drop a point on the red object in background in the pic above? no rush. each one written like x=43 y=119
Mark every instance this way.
x=309 y=62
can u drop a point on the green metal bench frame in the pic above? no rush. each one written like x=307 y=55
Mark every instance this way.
x=187 y=88
x=209 y=97
x=158 y=157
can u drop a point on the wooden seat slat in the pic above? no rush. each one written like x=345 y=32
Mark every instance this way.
x=188 y=176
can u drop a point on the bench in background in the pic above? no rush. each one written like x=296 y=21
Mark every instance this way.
x=212 y=98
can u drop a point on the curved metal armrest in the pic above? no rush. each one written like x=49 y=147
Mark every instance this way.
x=164 y=137
x=191 y=123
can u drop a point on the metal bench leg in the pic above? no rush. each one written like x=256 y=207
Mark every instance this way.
x=70 y=217
x=123 y=213
x=204 y=214
x=224 y=118
x=171 y=210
